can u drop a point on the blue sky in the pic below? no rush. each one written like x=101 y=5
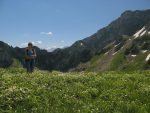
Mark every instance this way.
x=58 y=23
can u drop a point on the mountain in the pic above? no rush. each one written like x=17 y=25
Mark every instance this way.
x=83 y=51
x=127 y=55
x=6 y=57
x=126 y=25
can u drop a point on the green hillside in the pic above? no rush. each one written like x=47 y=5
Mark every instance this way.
x=128 y=55
x=85 y=92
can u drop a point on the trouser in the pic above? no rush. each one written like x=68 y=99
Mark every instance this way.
x=30 y=65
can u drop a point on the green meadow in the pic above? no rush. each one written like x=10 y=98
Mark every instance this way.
x=74 y=92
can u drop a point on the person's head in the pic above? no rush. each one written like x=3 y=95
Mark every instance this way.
x=30 y=45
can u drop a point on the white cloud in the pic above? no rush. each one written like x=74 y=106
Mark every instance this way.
x=55 y=46
x=48 y=48
x=61 y=46
x=34 y=43
x=24 y=44
x=38 y=42
x=47 y=33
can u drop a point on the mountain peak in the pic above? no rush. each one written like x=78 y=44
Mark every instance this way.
x=130 y=12
x=126 y=13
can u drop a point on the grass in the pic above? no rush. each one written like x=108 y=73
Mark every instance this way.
x=85 y=92
x=117 y=60
x=137 y=63
x=94 y=62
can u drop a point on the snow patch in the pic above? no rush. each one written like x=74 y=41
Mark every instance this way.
x=106 y=53
x=144 y=51
x=149 y=32
x=137 y=34
x=117 y=45
x=81 y=44
x=147 y=58
x=133 y=55
x=115 y=53
x=143 y=33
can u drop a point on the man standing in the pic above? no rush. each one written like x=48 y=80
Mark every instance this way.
x=30 y=56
